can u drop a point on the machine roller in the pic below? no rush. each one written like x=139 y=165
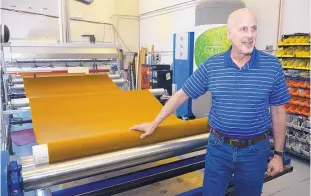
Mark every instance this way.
x=25 y=176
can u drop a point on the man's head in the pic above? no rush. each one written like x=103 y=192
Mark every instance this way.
x=242 y=31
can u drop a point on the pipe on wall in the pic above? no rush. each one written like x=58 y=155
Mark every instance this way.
x=279 y=21
x=63 y=21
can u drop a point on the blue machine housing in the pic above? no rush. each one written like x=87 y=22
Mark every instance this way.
x=4 y=172
x=183 y=69
x=12 y=185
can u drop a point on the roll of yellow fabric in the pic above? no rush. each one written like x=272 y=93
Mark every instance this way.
x=76 y=119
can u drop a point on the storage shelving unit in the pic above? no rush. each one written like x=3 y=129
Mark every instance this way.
x=294 y=54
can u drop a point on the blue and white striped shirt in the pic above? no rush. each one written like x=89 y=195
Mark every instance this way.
x=240 y=97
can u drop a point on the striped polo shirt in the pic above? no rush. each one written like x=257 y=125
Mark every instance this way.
x=240 y=97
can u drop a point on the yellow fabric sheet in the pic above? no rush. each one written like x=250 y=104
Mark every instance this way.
x=80 y=125
x=43 y=86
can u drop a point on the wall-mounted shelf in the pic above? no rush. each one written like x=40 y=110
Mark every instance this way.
x=294 y=44
x=298 y=68
x=294 y=55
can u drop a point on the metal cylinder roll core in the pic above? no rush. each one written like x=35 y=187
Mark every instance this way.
x=58 y=173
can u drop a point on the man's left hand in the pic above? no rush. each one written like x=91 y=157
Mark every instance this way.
x=275 y=166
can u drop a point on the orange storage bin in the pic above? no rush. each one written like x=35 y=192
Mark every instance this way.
x=306 y=112
x=288 y=83
x=293 y=100
x=292 y=108
x=291 y=83
x=303 y=84
x=301 y=93
x=287 y=107
x=307 y=93
x=293 y=92
x=295 y=83
x=299 y=110
x=301 y=102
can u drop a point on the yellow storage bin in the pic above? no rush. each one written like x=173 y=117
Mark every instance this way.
x=296 y=63
x=305 y=53
x=279 y=53
x=298 y=53
x=290 y=63
x=299 y=40
x=305 y=40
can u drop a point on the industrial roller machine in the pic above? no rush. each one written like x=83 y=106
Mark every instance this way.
x=72 y=154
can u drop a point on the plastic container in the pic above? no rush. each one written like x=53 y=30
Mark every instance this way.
x=305 y=149
x=293 y=92
x=296 y=123
x=307 y=93
x=296 y=146
x=303 y=84
x=301 y=137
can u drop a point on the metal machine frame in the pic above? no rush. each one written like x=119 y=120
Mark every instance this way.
x=26 y=176
x=50 y=58
x=47 y=58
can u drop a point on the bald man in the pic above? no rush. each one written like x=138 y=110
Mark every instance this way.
x=248 y=96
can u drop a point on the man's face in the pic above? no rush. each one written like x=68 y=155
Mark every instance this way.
x=243 y=35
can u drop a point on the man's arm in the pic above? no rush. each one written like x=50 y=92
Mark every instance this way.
x=194 y=87
x=170 y=107
x=174 y=102
x=278 y=115
x=278 y=97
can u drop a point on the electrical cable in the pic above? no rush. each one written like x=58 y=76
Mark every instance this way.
x=72 y=19
x=95 y=22
x=27 y=12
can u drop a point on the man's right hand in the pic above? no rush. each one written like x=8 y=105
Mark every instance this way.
x=173 y=103
x=147 y=128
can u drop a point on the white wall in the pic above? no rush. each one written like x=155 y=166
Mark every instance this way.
x=29 y=27
x=298 y=20
x=158 y=27
x=99 y=11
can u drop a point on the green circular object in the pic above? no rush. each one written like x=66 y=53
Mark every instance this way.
x=211 y=42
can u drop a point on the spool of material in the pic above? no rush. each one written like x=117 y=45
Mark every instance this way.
x=18 y=86
x=17 y=80
x=88 y=115
x=17 y=103
x=41 y=154
x=35 y=177
x=90 y=124
x=119 y=81
x=114 y=76
x=157 y=91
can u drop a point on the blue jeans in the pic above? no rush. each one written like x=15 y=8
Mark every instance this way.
x=247 y=166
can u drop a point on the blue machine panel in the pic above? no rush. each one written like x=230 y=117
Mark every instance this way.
x=183 y=67
x=151 y=172
x=4 y=172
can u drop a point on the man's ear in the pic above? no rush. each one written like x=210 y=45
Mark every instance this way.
x=229 y=34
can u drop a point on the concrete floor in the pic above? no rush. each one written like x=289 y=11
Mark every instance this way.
x=295 y=183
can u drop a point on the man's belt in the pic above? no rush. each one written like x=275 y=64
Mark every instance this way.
x=237 y=142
